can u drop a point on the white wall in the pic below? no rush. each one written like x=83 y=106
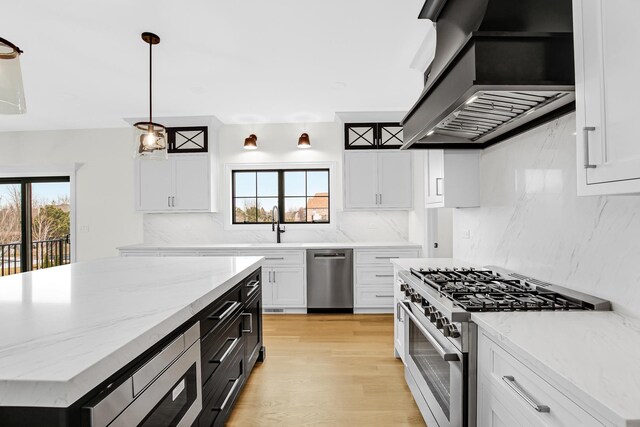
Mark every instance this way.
x=104 y=181
x=531 y=220
x=277 y=144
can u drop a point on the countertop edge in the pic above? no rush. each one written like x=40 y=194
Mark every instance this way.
x=282 y=246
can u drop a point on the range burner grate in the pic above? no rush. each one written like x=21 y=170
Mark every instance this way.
x=484 y=290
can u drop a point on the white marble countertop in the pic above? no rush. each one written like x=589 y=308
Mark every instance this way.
x=592 y=357
x=303 y=245
x=66 y=329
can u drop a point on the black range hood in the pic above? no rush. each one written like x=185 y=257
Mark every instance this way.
x=501 y=67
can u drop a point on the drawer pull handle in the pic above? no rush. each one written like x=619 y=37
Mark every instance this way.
x=384 y=275
x=438 y=192
x=274 y=258
x=225 y=313
x=253 y=286
x=250 y=330
x=384 y=296
x=226 y=399
x=233 y=345
x=511 y=382
x=387 y=257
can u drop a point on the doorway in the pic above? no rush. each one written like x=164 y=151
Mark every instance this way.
x=35 y=223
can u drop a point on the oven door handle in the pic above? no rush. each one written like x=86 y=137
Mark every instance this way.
x=448 y=357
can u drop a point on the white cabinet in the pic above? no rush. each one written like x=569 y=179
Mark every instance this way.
x=510 y=393
x=284 y=287
x=378 y=180
x=452 y=178
x=283 y=279
x=607 y=91
x=374 y=277
x=182 y=183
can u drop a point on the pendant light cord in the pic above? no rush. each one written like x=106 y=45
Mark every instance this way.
x=150 y=84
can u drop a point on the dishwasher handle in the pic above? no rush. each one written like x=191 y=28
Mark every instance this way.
x=335 y=255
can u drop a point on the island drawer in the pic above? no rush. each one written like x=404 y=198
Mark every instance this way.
x=252 y=284
x=223 y=309
x=222 y=390
x=219 y=344
x=276 y=258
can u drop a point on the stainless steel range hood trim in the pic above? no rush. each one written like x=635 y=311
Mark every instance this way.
x=459 y=82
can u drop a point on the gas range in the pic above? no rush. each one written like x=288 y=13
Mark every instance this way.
x=477 y=290
x=437 y=340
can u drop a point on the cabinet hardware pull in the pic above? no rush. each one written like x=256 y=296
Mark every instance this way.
x=173 y=201
x=586 y=131
x=274 y=277
x=438 y=193
x=234 y=343
x=169 y=201
x=273 y=258
x=511 y=382
x=226 y=399
x=250 y=330
x=387 y=257
x=380 y=198
x=225 y=313
x=384 y=275
x=384 y=296
x=253 y=286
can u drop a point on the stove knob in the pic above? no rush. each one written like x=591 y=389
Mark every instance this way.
x=452 y=331
x=432 y=314
x=439 y=320
x=446 y=328
x=416 y=297
x=403 y=287
x=408 y=291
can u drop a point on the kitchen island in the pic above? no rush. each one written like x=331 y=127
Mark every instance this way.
x=68 y=332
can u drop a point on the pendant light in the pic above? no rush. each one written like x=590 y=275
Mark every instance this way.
x=303 y=141
x=151 y=138
x=11 y=88
x=251 y=142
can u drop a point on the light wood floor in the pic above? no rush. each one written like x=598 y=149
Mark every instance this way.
x=327 y=370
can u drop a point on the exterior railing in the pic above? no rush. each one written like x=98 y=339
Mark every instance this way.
x=44 y=254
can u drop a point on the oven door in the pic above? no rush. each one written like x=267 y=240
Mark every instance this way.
x=435 y=370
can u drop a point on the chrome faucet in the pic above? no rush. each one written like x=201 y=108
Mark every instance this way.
x=275 y=223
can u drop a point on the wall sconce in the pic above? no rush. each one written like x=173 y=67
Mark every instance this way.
x=11 y=88
x=303 y=141
x=251 y=142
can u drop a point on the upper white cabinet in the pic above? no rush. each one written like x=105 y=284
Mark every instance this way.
x=182 y=183
x=452 y=178
x=607 y=91
x=378 y=180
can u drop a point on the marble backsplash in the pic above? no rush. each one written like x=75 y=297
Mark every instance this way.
x=387 y=226
x=532 y=221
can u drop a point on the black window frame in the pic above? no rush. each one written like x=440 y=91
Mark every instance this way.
x=281 y=195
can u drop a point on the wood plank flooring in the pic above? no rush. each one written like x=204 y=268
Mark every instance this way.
x=327 y=370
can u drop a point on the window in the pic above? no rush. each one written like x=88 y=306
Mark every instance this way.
x=35 y=221
x=301 y=195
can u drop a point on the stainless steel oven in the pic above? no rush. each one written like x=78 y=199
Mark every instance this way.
x=436 y=371
x=166 y=391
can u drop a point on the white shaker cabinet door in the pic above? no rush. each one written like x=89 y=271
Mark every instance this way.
x=361 y=183
x=395 y=177
x=154 y=185
x=288 y=286
x=607 y=93
x=192 y=182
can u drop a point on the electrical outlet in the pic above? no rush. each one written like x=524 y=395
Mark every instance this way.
x=84 y=228
x=466 y=234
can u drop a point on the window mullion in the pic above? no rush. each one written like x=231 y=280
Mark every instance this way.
x=26 y=249
x=281 y=196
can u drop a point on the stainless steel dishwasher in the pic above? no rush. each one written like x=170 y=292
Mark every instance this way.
x=330 y=280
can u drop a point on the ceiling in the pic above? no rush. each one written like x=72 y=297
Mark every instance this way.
x=243 y=61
